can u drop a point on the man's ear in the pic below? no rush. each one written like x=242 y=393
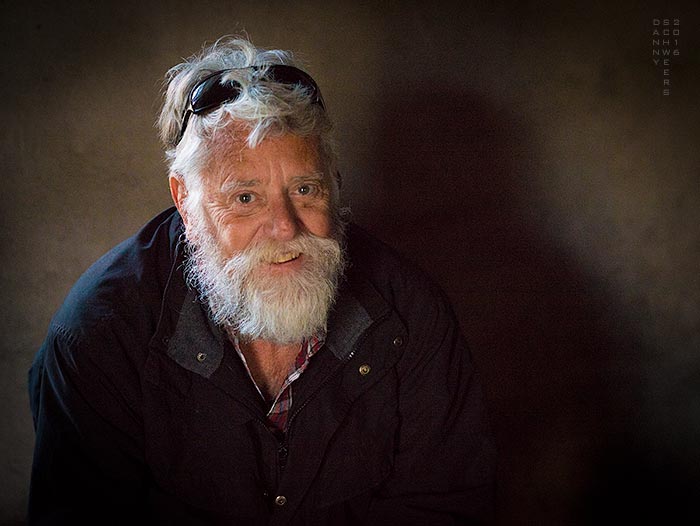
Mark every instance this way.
x=178 y=191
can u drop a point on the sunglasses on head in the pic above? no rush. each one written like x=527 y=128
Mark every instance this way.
x=210 y=92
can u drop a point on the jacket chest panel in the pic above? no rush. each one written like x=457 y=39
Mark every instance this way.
x=358 y=455
x=204 y=448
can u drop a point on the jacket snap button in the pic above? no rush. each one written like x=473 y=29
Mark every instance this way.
x=201 y=357
x=398 y=341
x=365 y=369
x=280 y=500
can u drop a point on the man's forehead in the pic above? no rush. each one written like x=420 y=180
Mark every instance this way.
x=232 y=150
x=232 y=164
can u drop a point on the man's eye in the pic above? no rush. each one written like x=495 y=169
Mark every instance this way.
x=244 y=198
x=306 y=189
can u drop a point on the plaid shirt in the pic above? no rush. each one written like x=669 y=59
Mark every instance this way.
x=278 y=414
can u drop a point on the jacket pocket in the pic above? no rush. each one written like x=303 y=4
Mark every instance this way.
x=358 y=458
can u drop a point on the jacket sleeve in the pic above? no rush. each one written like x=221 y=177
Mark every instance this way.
x=88 y=466
x=444 y=460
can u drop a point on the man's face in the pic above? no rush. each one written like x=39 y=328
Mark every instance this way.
x=275 y=191
x=266 y=254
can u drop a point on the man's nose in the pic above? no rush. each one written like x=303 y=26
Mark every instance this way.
x=283 y=223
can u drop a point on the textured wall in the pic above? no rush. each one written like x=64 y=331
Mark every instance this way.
x=525 y=156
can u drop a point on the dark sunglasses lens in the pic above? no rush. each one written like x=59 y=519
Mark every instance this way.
x=290 y=75
x=211 y=93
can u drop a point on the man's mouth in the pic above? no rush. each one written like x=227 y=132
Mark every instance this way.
x=285 y=258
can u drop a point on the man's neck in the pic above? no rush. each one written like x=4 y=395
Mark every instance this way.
x=269 y=363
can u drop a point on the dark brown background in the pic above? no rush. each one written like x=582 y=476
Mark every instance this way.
x=523 y=154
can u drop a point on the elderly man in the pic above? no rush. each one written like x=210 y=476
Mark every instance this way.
x=247 y=357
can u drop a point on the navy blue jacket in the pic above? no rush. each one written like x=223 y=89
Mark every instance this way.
x=145 y=414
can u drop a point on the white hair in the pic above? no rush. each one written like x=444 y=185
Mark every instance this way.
x=262 y=109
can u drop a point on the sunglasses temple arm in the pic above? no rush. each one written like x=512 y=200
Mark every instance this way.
x=185 y=120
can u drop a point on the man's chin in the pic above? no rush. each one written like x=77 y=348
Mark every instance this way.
x=276 y=328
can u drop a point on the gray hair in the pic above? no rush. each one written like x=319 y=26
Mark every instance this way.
x=263 y=109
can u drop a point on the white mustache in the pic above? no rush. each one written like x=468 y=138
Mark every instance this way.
x=269 y=251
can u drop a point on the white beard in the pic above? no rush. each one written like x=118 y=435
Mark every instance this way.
x=256 y=305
